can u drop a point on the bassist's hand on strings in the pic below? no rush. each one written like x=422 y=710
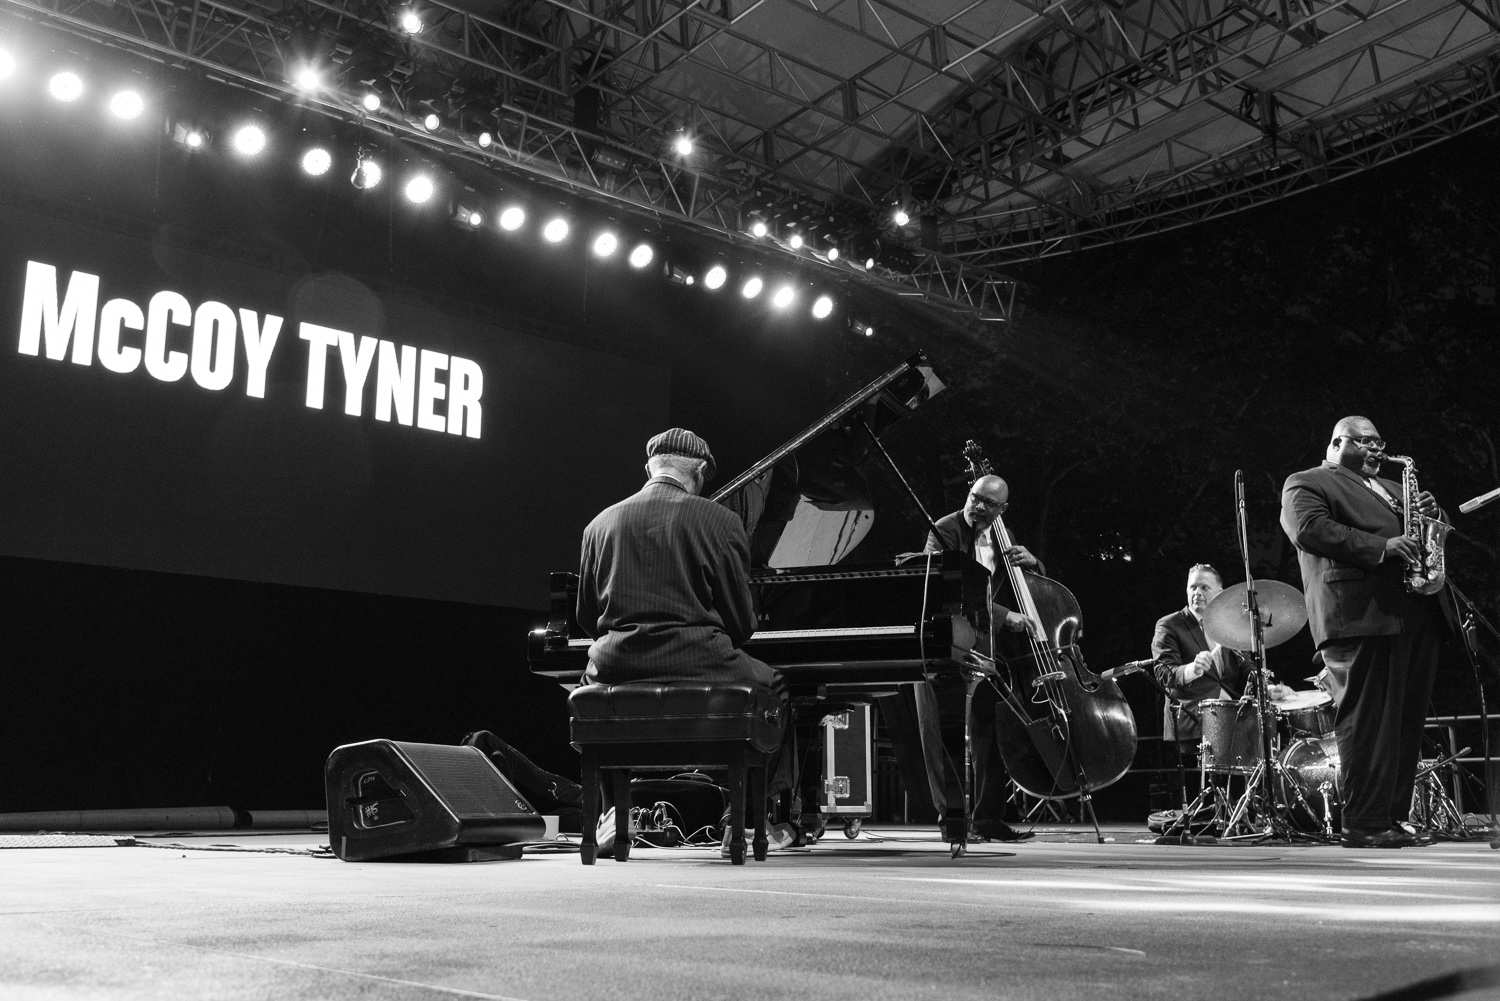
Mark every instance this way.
x=1021 y=556
x=1017 y=623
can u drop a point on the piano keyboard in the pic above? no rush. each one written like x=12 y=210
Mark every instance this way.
x=782 y=635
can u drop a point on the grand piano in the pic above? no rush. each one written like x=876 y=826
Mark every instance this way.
x=838 y=633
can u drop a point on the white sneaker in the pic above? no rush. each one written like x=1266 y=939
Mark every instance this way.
x=778 y=837
x=604 y=833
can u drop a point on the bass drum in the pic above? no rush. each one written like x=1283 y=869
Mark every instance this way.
x=1309 y=784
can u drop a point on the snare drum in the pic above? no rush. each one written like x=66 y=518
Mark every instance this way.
x=1231 y=735
x=1310 y=766
x=1306 y=713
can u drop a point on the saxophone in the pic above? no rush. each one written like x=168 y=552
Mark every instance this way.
x=1429 y=573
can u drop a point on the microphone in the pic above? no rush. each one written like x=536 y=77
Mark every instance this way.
x=1478 y=502
x=1134 y=667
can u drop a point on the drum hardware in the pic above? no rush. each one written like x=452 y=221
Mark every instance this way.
x=1431 y=806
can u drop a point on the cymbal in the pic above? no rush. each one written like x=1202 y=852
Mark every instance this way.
x=1282 y=615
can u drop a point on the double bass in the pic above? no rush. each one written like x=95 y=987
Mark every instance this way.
x=1063 y=731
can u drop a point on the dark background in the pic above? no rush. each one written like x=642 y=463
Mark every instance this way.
x=1132 y=384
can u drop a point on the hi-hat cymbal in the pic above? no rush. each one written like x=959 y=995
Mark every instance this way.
x=1282 y=615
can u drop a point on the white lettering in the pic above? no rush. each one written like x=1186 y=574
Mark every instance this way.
x=319 y=340
x=395 y=382
x=465 y=386
x=40 y=317
x=260 y=341
x=356 y=370
x=164 y=308
x=429 y=390
x=213 y=324
x=119 y=313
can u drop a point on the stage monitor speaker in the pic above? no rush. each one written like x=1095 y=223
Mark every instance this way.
x=390 y=799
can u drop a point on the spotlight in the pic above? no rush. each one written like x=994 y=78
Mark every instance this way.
x=467 y=216
x=822 y=306
x=683 y=144
x=899 y=217
x=66 y=87
x=367 y=173
x=795 y=241
x=316 y=161
x=678 y=275
x=476 y=219
x=249 y=140
x=431 y=122
x=189 y=135
x=307 y=79
x=641 y=255
x=7 y=65
x=833 y=252
x=869 y=263
x=419 y=189
x=715 y=277
x=512 y=219
x=486 y=140
x=127 y=104
x=752 y=288
x=556 y=230
x=410 y=22
x=759 y=229
x=783 y=297
x=861 y=327
x=605 y=244
x=370 y=102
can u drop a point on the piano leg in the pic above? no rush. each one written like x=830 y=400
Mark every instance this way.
x=589 y=850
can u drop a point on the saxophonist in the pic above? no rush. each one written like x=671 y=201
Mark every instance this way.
x=1371 y=631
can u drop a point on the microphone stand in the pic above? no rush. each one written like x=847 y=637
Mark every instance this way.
x=1468 y=631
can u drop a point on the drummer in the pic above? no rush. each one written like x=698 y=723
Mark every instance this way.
x=1191 y=668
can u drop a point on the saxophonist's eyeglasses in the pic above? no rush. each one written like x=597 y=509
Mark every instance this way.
x=1368 y=441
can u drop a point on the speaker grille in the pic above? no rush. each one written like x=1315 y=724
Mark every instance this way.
x=470 y=785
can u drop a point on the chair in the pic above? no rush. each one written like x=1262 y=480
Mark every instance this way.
x=618 y=728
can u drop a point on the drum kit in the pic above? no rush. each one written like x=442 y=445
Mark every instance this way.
x=1294 y=791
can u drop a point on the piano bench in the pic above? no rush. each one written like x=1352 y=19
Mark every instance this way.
x=617 y=728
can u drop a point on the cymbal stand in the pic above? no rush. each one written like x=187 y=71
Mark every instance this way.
x=1432 y=807
x=1259 y=801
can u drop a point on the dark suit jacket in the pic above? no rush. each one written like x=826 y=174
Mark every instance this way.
x=664 y=587
x=1339 y=526
x=953 y=534
x=1178 y=639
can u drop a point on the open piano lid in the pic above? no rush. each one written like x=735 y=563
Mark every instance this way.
x=806 y=503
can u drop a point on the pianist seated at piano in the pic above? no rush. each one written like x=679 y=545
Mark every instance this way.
x=968 y=531
x=664 y=587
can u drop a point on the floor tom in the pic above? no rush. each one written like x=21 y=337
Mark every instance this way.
x=1309 y=784
x=1306 y=714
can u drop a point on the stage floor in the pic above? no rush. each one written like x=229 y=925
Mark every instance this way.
x=889 y=916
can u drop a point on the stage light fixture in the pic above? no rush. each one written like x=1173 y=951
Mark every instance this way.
x=821 y=307
x=715 y=277
x=833 y=252
x=861 y=327
x=127 y=104
x=367 y=173
x=641 y=255
x=605 y=244
x=752 y=288
x=370 y=102
x=759 y=229
x=678 y=275
x=306 y=79
x=899 y=217
x=512 y=219
x=410 y=22
x=556 y=230
x=7 y=65
x=869 y=264
x=783 y=297
x=249 y=140
x=467 y=216
x=795 y=241
x=683 y=144
x=431 y=122
x=316 y=161
x=66 y=86
x=419 y=189
x=486 y=140
x=189 y=135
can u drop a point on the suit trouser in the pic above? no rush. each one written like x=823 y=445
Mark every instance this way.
x=913 y=720
x=1381 y=716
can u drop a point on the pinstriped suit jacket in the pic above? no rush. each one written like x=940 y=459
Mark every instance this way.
x=664 y=589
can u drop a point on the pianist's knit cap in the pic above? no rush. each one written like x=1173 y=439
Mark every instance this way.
x=681 y=442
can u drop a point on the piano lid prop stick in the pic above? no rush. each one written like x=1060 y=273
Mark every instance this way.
x=899 y=475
